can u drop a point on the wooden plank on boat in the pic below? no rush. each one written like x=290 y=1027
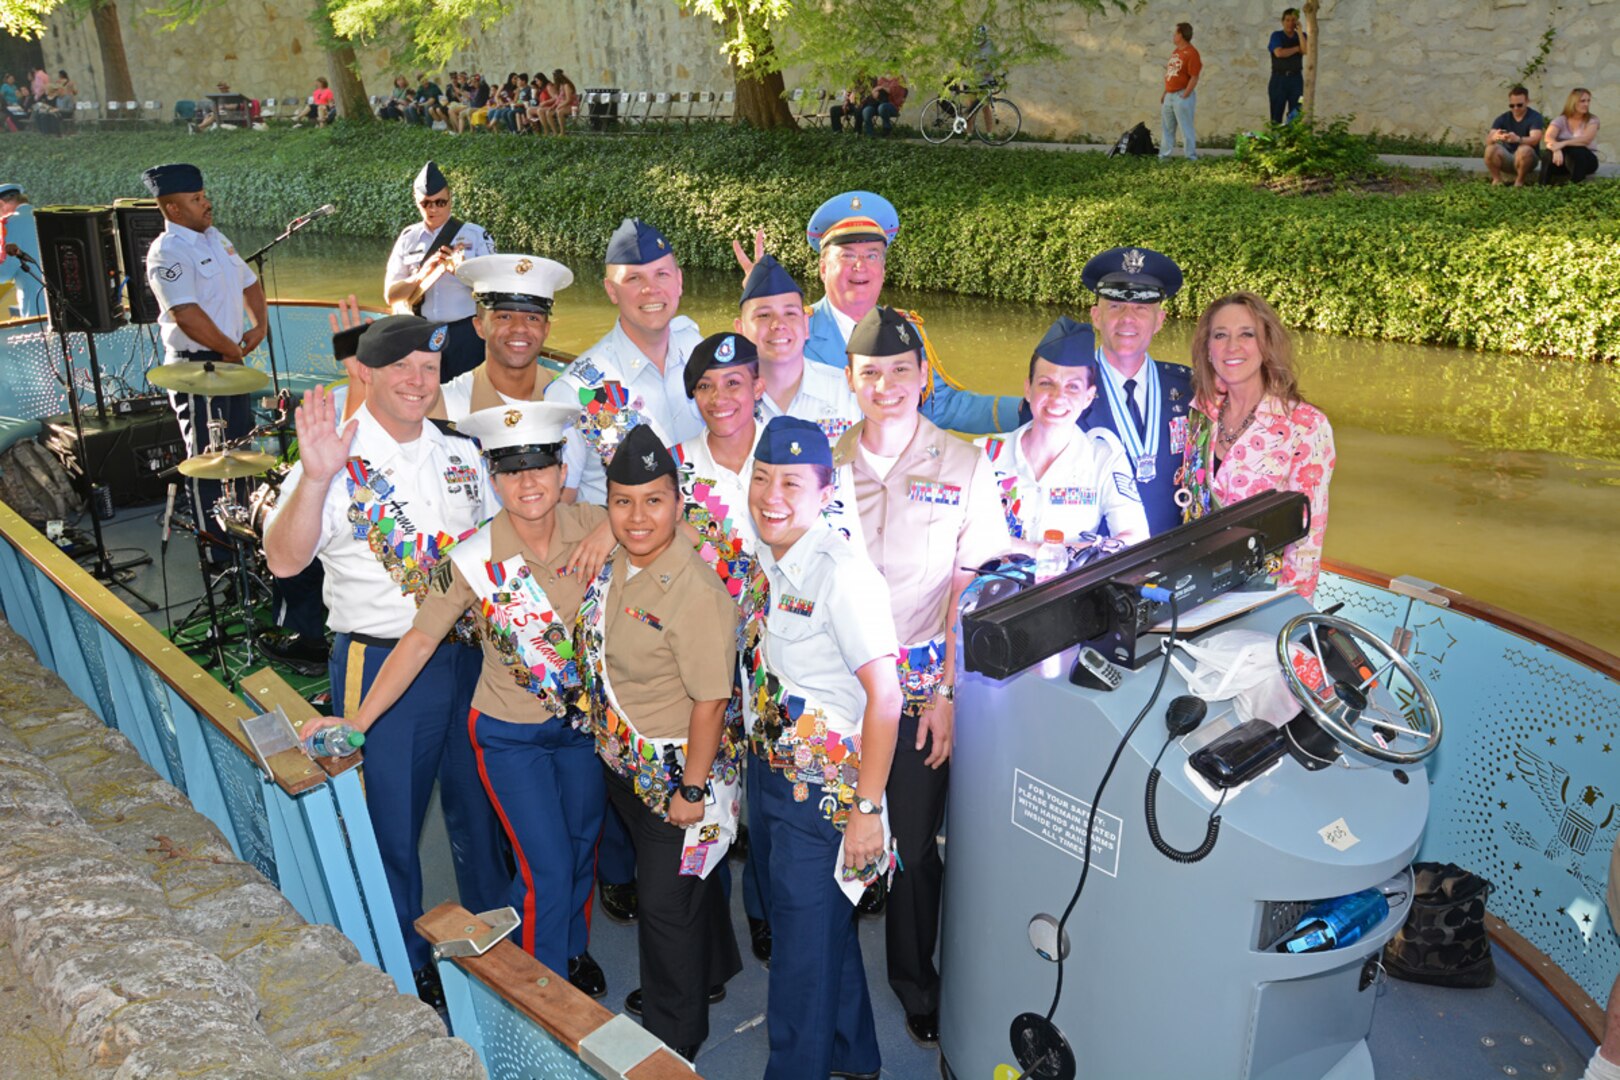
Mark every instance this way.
x=1588 y=1013
x=293 y=770
x=544 y=997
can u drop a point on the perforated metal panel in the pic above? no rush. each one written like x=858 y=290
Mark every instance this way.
x=513 y=1046
x=244 y=800
x=157 y=704
x=88 y=633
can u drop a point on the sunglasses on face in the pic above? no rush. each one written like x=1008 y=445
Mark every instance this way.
x=433 y=204
x=1518 y=104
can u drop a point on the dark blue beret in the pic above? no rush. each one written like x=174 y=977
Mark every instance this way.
x=717 y=351
x=393 y=338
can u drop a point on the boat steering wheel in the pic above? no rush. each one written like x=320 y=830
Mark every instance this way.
x=1343 y=706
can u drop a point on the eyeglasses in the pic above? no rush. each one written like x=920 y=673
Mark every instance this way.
x=1518 y=104
x=433 y=204
x=870 y=258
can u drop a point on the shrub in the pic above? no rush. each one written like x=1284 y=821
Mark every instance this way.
x=1306 y=149
x=1456 y=263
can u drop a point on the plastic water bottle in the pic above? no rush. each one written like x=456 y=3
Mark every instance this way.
x=339 y=740
x=1052 y=557
x=1335 y=923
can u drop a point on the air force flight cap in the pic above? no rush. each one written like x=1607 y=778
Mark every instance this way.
x=788 y=440
x=768 y=278
x=430 y=181
x=717 y=351
x=391 y=339
x=852 y=217
x=636 y=243
x=514 y=282
x=528 y=435
x=1068 y=343
x=1132 y=275
x=172 y=179
x=640 y=459
x=883 y=331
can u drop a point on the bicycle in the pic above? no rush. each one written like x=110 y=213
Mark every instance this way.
x=942 y=118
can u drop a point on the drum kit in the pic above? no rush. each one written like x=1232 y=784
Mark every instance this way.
x=240 y=513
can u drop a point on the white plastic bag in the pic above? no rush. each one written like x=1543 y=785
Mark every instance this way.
x=1240 y=666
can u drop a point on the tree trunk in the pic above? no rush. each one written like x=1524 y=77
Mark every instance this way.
x=760 y=101
x=1308 y=101
x=114 y=61
x=348 y=92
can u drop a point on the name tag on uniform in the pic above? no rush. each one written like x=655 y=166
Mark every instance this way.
x=934 y=492
x=1073 y=496
x=645 y=616
x=796 y=605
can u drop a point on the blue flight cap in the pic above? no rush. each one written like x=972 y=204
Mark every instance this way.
x=1132 y=275
x=788 y=440
x=852 y=217
x=172 y=179
x=430 y=181
x=635 y=243
x=768 y=278
x=1068 y=343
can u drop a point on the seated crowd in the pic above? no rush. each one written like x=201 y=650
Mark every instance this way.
x=523 y=103
x=39 y=100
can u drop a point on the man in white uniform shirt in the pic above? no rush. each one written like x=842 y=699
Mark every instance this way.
x=514 y=295
x=636 y=374
x=773 y=316
x=381 y=503
x=201 y=285
x=427 y=253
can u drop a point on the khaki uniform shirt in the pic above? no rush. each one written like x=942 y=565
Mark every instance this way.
x=671 y=640
x=938 y=509
x=498 y=693
x=472 y=392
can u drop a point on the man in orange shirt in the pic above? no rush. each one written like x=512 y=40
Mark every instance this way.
x=1180 y=95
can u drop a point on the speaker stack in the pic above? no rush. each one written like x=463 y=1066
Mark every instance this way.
x=78 y=248
x=139 y=223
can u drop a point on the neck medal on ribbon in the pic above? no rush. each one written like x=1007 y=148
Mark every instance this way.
x=1143 y=452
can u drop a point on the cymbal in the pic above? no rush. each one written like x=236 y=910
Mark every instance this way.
x=207 y=378
x=227 y=464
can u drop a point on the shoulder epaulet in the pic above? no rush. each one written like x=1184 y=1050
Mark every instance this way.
x=1178 y=372
x=447 y=428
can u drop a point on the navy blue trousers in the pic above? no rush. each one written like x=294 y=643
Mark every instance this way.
x=546 y=785
x=819 y=1013
x=421 y=739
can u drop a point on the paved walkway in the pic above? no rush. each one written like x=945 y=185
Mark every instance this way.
x=1415 y=161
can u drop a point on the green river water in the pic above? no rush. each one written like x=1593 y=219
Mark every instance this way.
x=1493 y=474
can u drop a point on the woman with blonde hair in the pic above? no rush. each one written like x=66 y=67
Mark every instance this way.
x=1566 y=148
x=1250 y=431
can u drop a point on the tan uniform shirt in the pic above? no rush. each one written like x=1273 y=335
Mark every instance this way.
x=937 y=510
x=498 y=693
x=472 y=391
x=671 y=640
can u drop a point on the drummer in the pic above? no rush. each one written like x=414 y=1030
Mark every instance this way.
x=657 y=637
x=514 y=295
x=535 y=759
x=819 y=653
x=201 y=285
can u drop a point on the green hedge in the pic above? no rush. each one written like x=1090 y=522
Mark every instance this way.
x=1456 y=263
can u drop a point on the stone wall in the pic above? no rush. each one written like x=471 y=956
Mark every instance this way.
x=1419 y=67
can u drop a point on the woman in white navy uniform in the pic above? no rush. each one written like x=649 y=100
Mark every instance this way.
x=426 y=254
x=522 y=575
x=819 y=657
x=1054 y=477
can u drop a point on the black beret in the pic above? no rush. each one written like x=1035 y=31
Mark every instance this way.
x=717 y=351
x=390 y=340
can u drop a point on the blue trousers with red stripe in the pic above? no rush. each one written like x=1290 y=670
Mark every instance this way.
x=420 y=740
x=546 y=784
x=819 y=1013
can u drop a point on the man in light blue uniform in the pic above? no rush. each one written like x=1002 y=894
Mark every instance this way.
x=1142 y=400
x=201 y=285
x=852 y=233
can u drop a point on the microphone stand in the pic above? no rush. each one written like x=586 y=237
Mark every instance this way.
x=257 y=261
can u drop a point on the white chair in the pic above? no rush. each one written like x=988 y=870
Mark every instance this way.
x=728 y=106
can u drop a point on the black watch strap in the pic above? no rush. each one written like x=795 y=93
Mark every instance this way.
x=692 y=793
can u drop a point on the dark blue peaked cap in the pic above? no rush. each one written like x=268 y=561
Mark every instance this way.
x=788 y=440
x=172 y=179
x=1132 y=275
x=768 y=278
x=1068 y=343
x=635 y=243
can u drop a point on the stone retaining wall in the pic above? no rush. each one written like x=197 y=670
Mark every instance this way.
x=149 y=945
x=1417 y=67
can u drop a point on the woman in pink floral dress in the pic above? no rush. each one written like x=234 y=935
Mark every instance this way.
x=1250 y=430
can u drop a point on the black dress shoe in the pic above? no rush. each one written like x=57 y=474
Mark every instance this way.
x=874 y=899
x=428 y=987
x=621 y=903
x=586 y=975
x=632 y=1003
x=759 y=935
x=923 y=1027
x=687 y=1052
x=303 y=655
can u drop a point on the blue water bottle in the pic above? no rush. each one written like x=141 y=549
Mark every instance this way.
x=1335 y=923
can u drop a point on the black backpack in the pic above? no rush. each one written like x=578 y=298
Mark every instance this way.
x=1136 y=141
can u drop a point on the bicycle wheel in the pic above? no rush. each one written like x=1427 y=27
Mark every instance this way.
x=938 y=120
x=1001 y=123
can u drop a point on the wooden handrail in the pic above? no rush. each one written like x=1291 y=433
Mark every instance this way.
x=548 y=1000
x=268 y=690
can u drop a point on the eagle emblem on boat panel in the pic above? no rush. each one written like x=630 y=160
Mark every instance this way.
x=1582 y=814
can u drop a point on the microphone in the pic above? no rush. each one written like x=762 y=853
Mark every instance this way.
x=300 y=222
x=168 y=515
x=15 y=252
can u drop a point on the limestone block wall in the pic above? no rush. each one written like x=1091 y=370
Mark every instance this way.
x=1418 y=67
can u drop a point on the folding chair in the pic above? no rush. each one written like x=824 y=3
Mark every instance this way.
x=660 y=109
x=818 y=112
x=728 y=105
x=152 y=112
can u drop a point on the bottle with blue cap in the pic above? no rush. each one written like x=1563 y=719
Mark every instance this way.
x=1335 y=923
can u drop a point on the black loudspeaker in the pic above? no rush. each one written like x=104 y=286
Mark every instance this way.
x=139 y=223
x=79 y=250
x=128 y=454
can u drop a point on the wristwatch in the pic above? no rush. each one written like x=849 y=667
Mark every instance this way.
x=867 y=806
x=946 y=691
x=692 y=793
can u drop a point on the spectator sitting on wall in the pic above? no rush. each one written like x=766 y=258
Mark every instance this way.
x=888 y=97
x=38 y=80
x=541 y=96
x=456 y=102
x=206 y=117
x=1513 y=139
x=564 y=98
x=320 y=103
x=61 y=96
x=426 y=103
x=851 y=104
x=1566 y=149
x=398 y=97
x=12 y=109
